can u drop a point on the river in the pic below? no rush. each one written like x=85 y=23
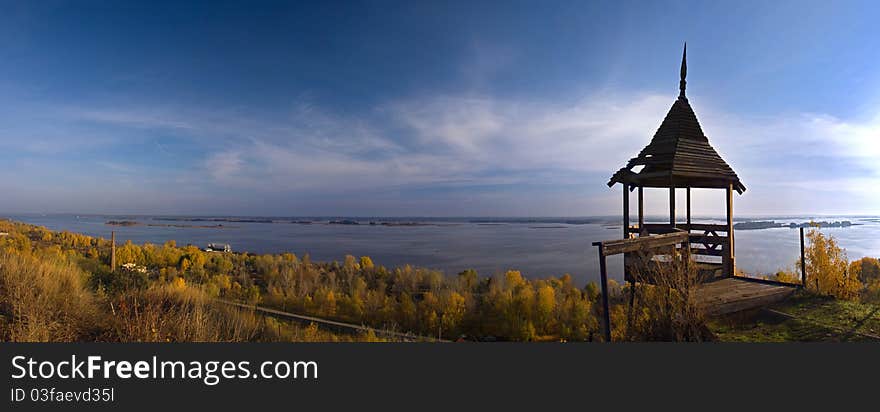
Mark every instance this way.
x=540 y=248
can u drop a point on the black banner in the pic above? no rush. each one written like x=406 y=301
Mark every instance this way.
x=404 y=376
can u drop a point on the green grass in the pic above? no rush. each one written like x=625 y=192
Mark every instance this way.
x=818 y=319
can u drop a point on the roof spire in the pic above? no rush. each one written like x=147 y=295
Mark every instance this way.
x=684 y=72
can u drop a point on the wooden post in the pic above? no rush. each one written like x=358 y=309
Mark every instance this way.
x=625 y=219
x=686 y=262
x=688 y=191
x=803 y=261
x=603 y=273
x=686 y=252
x=113 y=251
x=672 y=206
x=632 y=301
x=730 y=254
x=641 y=212
x=626 y=211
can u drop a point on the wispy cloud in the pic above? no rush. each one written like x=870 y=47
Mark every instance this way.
x=447 y=141
x=223 y=165
x=138 y=119
x=479 y=149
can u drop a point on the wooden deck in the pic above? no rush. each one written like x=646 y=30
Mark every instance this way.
x=731 y=295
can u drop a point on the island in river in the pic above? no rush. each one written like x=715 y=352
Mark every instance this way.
x=127 y=223
x=770 y=224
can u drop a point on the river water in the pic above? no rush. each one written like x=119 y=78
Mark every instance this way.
x=547 y=247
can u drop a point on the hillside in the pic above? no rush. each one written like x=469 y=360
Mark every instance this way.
x=58 y=286
x=805 y=317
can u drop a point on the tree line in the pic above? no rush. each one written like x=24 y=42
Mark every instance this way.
x=505 y=306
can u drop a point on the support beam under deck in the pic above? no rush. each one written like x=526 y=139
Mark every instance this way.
x=626 y=211
x=689 y=208
x=730 y=251
x=641 y=212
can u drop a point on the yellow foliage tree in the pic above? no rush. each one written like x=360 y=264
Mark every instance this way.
x=179 y=283
x=867 y=269
x=453 y=310
x=827 y=268
x=787 y=277
x=366 y=263
x=545 y=305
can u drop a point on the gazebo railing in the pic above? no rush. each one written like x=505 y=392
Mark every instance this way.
x=643 y=246
x=707 y=241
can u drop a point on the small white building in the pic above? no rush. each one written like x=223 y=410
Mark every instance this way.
x=218 y=247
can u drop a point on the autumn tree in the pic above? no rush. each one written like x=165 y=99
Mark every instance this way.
x=545 y=307
x=827 y=268
x=508 y=306
x=867 y=269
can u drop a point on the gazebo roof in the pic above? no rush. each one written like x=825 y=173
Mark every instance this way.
x=679 y=155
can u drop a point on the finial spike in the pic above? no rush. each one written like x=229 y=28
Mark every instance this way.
x=684 y=71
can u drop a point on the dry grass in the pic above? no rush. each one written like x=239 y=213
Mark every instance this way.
x=44 y=300
x=168 y=313
x=165 y=313
x=663 y=308
x=47 y=299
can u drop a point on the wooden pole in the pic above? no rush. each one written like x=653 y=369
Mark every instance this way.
x=731 y=260
x=688 y=191
x=632 y=302
x=672 y=206
x=641 y=212
x=626 y=211
x=625 y=219
x=113 y=251
x=632 y=283
x=803 y=261
x=686 y=252
x=606 y=315
x=686 y=262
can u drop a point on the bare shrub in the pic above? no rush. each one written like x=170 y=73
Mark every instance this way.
x=663 y=307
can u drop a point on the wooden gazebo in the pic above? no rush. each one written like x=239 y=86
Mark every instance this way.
x=680 y=156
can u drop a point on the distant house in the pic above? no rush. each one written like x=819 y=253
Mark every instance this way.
x=132 y=267
x=218 y=247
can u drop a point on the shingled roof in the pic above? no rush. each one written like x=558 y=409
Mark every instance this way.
x=679 y=155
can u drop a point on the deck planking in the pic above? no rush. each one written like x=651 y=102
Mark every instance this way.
x=731 y=295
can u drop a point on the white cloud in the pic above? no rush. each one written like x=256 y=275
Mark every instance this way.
x=138 y=119
x=596 y=134
x=223 y=165
x=461 y=142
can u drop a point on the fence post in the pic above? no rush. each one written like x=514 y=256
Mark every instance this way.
x=113 y=251
x=803 y=262
x=604 y=282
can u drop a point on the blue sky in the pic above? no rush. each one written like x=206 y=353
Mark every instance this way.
x=421 y=109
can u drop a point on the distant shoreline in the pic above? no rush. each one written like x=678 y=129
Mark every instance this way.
x=535 y=223
x=129 y=223
x=770 y=224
